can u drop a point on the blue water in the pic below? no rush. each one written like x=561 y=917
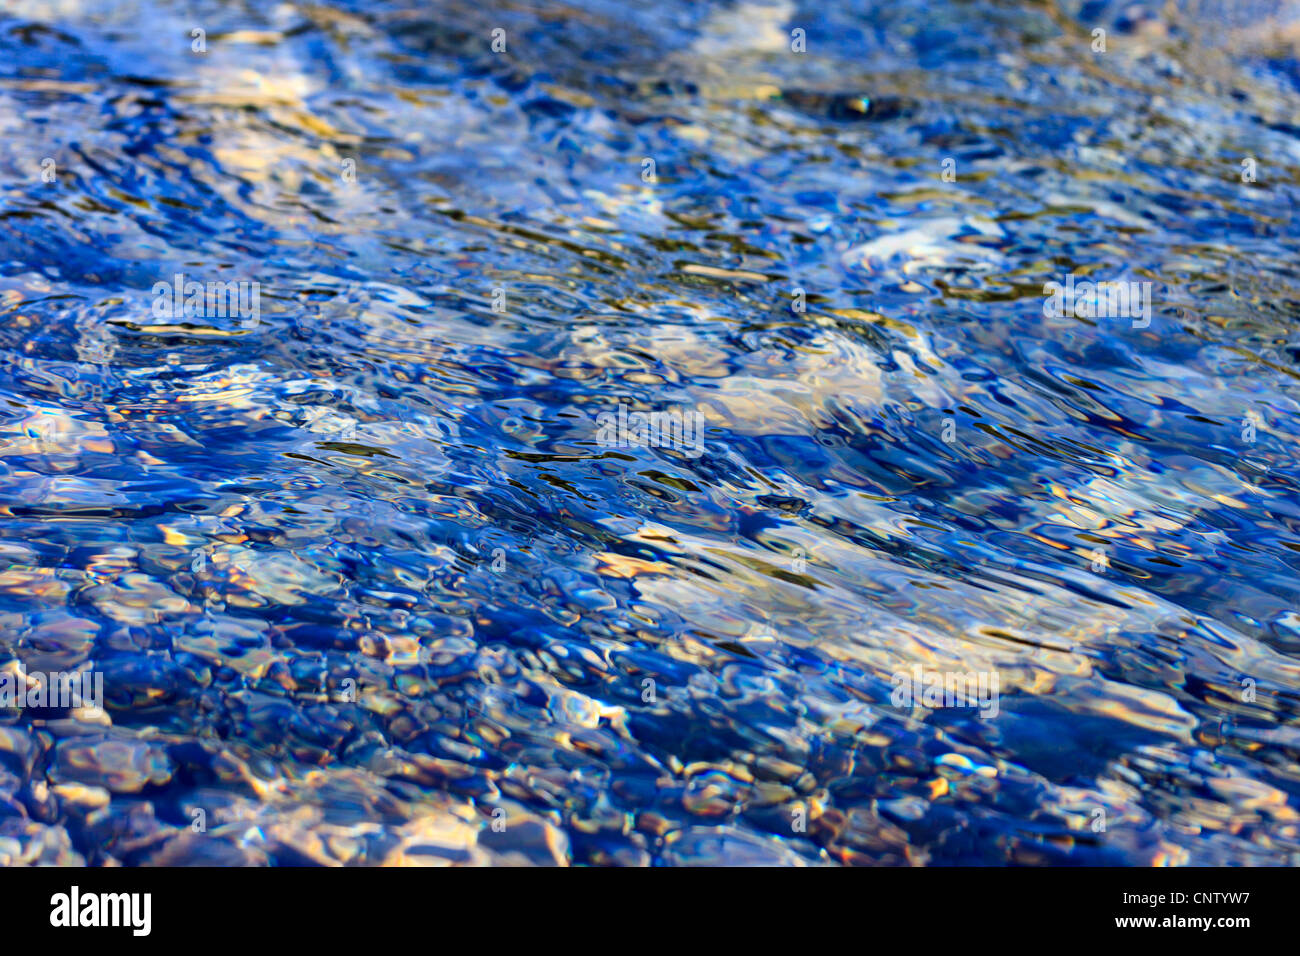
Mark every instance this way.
x=367 y=583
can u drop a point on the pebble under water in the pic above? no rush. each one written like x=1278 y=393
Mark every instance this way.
x=389 y=571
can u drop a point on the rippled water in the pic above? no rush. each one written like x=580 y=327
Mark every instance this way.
x=365 y=578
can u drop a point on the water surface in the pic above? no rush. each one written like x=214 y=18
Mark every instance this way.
x=362 y=578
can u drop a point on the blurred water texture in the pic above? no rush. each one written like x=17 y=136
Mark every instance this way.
x=360 y=579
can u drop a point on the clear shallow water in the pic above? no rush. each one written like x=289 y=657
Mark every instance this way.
x=361 y=578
